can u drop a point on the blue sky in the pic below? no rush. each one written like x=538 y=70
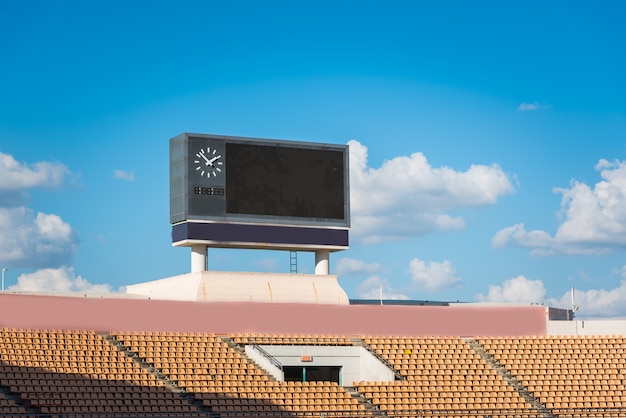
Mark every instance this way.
x=487 y=139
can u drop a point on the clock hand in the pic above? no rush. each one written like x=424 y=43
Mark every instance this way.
x=210 y=162
x=201 y=154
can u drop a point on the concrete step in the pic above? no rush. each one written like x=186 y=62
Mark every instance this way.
x=509 y=378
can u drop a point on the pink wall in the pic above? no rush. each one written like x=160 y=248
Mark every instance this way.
x=107 y=314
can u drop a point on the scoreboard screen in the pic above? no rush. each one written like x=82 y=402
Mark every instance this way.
x=285 y=181
x=247 y=180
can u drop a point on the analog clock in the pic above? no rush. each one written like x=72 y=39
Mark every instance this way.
x=208 y=162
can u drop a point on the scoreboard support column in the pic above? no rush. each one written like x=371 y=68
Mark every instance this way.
x=198 y=258
x=321 y=262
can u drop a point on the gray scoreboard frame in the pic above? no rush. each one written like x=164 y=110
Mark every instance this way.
x=286 y=195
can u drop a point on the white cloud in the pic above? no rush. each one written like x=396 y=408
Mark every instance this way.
x=594 y=219
x=124 y=175
x=524 y=107
x=519 y=235
x=19 y=176
x=592 y=303
x=516 y=290
x=371 y=288
x=433 y=276
x=406 y=196
x=61 y=279
x=348 y=266
x=596 y=303
x=28 y=240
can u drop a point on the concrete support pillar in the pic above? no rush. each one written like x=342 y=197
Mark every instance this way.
x=198 y=258
x=321 y=262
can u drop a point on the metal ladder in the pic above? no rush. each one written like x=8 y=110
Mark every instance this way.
x=293 y=262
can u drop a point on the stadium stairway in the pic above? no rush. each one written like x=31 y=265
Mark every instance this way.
x=168 y=383
x=242 y=351
x=508 y=377
x=370 y=408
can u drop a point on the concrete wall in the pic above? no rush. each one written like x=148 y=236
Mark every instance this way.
x=595 y=327
x=264 y=363
x=356 y=362
x=372 y=369
x=124 y=314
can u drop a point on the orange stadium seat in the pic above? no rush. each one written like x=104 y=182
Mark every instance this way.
x=192 y=374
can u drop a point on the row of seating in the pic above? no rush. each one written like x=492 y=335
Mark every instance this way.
x=441 y=374
x=288 y=339
x=560 y=340
x=543 y=366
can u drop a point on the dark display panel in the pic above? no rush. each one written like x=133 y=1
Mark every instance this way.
x=281 y=181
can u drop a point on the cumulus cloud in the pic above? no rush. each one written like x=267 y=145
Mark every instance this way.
x=348 y=266
x=406 y=196
x=592 y=303
x=539 y=240
x=596 y=303
x=371 y=289
x=32 y=240
x=37 y=241
x=594 y=218
x=432 y=276
x=16 y=178
x=525 y=107
x=516 y=290
x=124 y=175
x=62 y=279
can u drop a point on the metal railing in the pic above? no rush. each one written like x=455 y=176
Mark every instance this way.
x=268 y=356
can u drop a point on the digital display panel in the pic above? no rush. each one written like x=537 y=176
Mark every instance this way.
x=284 y=181
x=247 y=180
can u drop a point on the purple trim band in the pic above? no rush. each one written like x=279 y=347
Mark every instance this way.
x=232 y=234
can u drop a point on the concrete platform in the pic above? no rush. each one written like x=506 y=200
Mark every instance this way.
x=215 y=286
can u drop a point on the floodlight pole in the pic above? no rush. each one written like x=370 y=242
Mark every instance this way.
x=3 y=270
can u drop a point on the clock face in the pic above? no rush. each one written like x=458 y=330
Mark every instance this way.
x=208 y=162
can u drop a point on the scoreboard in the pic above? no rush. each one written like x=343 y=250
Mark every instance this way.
x=258 y=190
